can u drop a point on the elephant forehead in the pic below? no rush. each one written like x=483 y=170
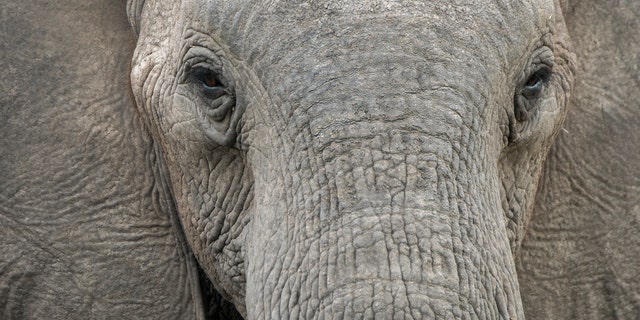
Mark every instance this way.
x=309 y=9
x=282 y=23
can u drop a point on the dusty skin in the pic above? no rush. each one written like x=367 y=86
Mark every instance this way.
x=467 y=159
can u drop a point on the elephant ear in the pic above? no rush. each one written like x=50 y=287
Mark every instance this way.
x=85 y=231
x=581 y=256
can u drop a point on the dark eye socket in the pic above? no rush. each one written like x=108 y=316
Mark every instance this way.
x=534 y=85
x=208 y=81
x=206 y=77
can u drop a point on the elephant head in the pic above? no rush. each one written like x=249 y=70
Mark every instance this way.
x=319 y=159
x=364 y=159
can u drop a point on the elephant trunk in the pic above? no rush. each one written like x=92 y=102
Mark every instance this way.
x=377 y=192
x=367 y=222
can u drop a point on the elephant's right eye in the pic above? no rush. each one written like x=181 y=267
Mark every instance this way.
x=209 y=83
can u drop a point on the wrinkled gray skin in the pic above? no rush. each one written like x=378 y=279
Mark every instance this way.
x=367 y=160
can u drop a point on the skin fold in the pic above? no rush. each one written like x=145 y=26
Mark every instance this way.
x=319 y=160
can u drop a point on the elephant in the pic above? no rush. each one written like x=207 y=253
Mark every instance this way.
x=366 y=159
